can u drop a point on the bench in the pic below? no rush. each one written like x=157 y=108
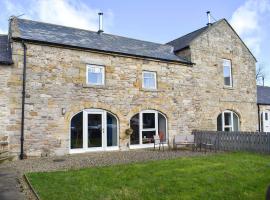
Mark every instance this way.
x=184 y=140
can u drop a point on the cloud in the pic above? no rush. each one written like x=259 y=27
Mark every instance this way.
x=248 y=21
x=72 y=13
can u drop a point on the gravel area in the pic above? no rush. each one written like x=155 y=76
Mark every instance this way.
x=78 y=161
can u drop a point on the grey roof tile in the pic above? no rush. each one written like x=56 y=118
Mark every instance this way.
x=263 y=95
x=5 y=50
x=184 y=41
x=56 y=34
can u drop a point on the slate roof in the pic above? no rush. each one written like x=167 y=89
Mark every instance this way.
x=5 y=50
x=56 y=34
x=184 y=41
x=263 y=95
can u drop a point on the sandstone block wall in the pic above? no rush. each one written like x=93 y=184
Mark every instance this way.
x=56 y=79
x=212 y=97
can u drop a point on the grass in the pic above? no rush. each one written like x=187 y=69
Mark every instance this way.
x=221 y=176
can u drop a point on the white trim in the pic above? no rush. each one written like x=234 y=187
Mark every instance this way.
x=230 y=66
x=155 y=77
x=142 y=146
x=102 y=71
x=104 y=146
x=231 y=120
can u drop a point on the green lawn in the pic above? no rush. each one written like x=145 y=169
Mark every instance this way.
x=221 y=176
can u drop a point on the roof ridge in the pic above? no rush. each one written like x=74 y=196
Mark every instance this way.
x=70 y=27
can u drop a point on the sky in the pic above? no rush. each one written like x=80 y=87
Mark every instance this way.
x=152 y=20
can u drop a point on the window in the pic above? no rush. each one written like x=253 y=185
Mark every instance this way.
x=146 y=125
x=149 y=80
x=228 y=121
x=95 y=75
x=227 y=72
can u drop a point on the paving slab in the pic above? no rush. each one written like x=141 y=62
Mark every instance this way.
x=9 y=186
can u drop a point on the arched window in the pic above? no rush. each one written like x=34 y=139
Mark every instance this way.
x=145 y=125
x=93 y=129
x=76 y=131
x=228 y=121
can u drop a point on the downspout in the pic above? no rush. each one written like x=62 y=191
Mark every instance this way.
x=23 y=99
x=259 y=116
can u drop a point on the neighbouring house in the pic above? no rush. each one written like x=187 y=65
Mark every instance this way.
x=263 y=101
x=66 y=90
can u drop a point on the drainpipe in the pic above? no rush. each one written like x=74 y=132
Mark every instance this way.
x=23 y=99
x=259 y=116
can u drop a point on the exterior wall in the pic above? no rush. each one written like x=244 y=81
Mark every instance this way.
x=56 y=80
x=190 y=97
x=263 y=108
x=5 y=124
x=212 y=97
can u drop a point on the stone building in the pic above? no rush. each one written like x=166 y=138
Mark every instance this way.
x=84 y=90
x=263 y=101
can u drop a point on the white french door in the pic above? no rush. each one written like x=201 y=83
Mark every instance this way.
x=98 y=134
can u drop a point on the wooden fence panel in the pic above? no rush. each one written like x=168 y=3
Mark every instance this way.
x=235 y=141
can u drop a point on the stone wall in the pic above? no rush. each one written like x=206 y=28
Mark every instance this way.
x=56 y=80
x=212 y=97
x=191 y=97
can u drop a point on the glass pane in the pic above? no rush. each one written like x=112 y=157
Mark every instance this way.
x=227 y=119
x=149 y=80
x=111 y=130
x=219 y=122
x=134 y=125
x=149 y=83
x=77 y=131
x=148 y=120
x=228 y=129
x=94 y=130
x=95 y=75
x=162 y=127
x=235 y=122
x=148 y=136
x=227 y=75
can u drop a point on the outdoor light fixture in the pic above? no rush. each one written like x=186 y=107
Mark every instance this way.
x=63 y=111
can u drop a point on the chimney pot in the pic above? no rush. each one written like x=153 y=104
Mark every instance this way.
x=209 y=18
x=100 y=29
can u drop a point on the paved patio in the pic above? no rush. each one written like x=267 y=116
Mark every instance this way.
x=13 y=171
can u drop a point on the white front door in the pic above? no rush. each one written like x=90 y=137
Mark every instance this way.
x=94 y=131
x=265 y=121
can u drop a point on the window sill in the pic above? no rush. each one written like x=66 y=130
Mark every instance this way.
x=93 y=86
x=149 y=90
x=228 y=87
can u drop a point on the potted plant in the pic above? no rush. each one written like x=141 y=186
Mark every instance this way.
x=129 y=131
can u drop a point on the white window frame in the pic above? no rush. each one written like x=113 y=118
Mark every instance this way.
x=104 y=146
x=232 y=123
x=231 y=79
x=141 y=129
x=155 y=77
x=89 y=66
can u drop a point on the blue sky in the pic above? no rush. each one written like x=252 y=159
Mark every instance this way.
x=152 y=20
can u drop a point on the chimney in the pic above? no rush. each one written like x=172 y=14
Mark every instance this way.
x=209 y=18
x=100 y=29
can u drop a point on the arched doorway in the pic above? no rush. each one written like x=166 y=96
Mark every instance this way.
x=228 y=121
x=93 y=130
x=145 y=125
